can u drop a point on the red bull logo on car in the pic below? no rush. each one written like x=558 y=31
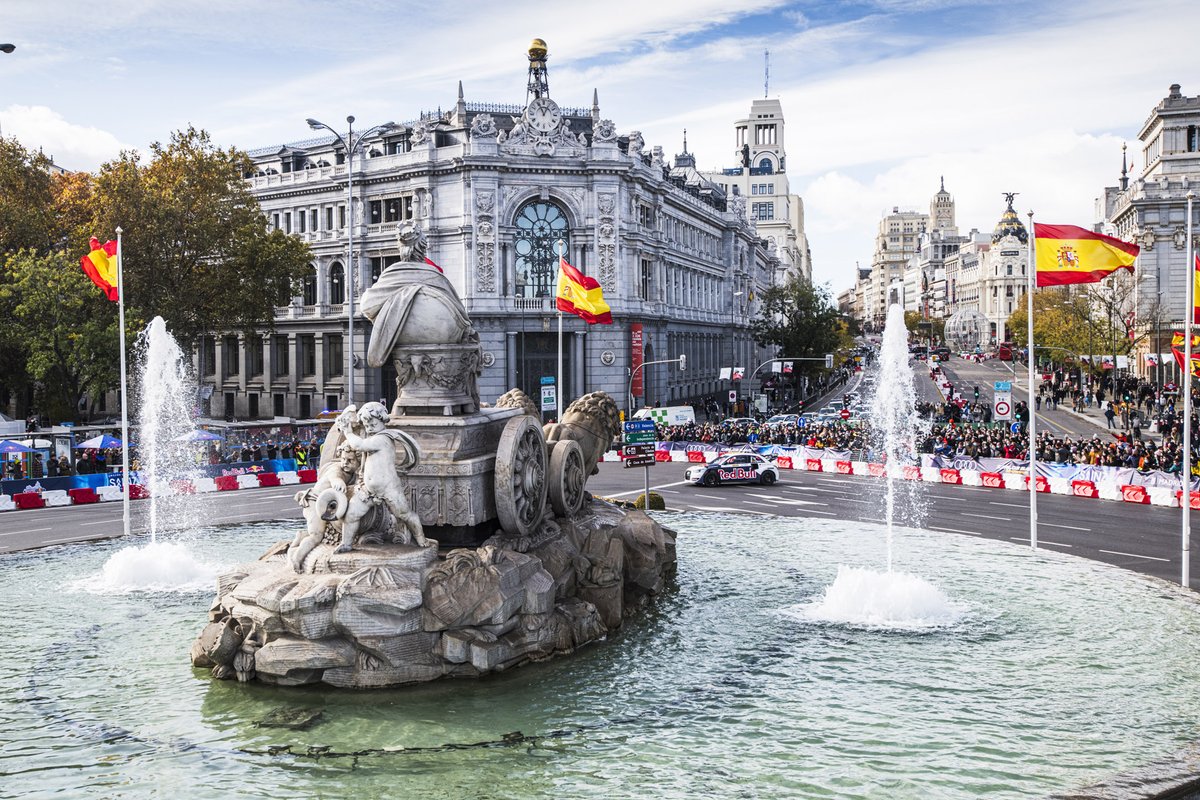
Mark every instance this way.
x=738 y=474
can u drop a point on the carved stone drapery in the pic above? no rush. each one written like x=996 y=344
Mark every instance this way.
x=483 y=126
x=606 y=248
x=485 y=240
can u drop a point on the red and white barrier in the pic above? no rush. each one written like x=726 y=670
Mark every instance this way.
x=247 y=480
x=911 y=473
x=812 y=464
x=108 y=494
x=6 y=503
x=970 y=477
x=1109 y=490
x=290 y=478
x=1015 y=480
x=56 y=497
x=951 y=476
x=611 y=455
x=679 y=456
x=1134 y=494
x=1084 y=489
x=1178 y=500
x=1162 y=496
x=1060 y=486
x=784 y=462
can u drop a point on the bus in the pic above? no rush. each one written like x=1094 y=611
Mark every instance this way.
x=1004 y=351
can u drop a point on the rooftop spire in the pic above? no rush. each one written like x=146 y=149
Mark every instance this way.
x=1124 y=169
x=595 y=105
x=943 y=179
x=685 y=140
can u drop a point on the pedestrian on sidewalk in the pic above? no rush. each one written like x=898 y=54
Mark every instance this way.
x=1110 y=415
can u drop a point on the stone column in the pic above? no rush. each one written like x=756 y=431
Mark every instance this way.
x=243 y=363
x=578 y=368
x=319 y=358
x=510 y=358
x=293 y=364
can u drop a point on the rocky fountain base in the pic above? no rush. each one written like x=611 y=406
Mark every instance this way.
x=391 y=614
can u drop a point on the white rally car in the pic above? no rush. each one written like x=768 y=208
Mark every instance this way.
x=734 y=468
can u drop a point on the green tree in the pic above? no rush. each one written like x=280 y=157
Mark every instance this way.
x=67 y=327
x=26 y=213
x=196 y=249
x=801 y=321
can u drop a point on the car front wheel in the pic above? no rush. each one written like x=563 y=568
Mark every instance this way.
x=711 y=479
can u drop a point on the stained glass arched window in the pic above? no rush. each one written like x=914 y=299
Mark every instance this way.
x=540 y=227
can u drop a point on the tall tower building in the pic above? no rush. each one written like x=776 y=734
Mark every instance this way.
x=760 y=178
x=941 y=212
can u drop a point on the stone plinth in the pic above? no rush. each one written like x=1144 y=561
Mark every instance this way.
x=392 y=614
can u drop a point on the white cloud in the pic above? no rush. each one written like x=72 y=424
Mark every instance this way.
x=72 y=146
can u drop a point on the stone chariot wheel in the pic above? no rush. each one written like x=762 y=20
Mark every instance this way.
x=567 y=477
x=521 y=476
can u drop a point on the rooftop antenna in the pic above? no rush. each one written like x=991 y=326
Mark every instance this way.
x=766 y=71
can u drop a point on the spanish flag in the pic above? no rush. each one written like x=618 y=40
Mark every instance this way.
x=101 y=266
x=1196 y=292
x=1069 y=254
x=1177 y=340
x=580 y=295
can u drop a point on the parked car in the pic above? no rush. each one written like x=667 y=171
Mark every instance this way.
x=782 y=419
x=739 y=421
x=734 y=468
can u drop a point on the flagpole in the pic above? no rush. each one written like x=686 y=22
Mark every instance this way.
x=1030 y=271
x=1185 y=476
x=125 y=476
x=559 y=389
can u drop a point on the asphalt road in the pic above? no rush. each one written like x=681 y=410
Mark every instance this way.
x=1145 y=539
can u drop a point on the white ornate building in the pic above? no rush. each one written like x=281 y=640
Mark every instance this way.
x=1151 y=209
x=498 y=189
x=761 y=178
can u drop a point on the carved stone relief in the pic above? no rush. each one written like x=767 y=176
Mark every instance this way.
x=483 y=126
x=604 y=131
x=485 y=241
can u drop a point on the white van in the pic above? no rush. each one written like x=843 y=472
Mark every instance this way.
x=667 y=415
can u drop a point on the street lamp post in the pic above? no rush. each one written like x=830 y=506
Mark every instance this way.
x=350 y=143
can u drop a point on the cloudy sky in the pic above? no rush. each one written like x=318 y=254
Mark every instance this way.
x=881 y=97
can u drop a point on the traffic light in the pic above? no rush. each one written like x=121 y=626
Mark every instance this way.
x=682 y=363
x=976 y=392
x=829 y=361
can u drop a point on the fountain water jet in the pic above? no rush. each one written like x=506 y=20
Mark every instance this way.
x=165 y=397
x=889 y=599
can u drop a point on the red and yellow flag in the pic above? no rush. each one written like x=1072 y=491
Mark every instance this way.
x=1177 y=340
x=1196 y=292
x=1069 y=254
x=580 y=295
x=101 y=266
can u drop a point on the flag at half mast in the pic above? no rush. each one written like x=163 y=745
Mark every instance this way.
x=580 y=295
x=1067 y=254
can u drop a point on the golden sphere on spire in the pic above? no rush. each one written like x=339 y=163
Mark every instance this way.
x=537 y=50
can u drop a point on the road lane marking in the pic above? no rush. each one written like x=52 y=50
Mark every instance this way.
x=106 y=522
x=1133 y=555
x=955 y=530
x=985 y=516
x=1053 y=544
x=28 y=530
x=714 y=497
x=652 y=488
x=1068 y=527
x=1012 y=505
x=768 y=505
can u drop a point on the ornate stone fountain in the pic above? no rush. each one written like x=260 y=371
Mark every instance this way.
x=529 y=564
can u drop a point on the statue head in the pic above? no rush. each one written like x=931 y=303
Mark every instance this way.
x=374 y=416
x=413 y=243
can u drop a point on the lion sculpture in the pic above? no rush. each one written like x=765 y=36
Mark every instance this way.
x=593 y=422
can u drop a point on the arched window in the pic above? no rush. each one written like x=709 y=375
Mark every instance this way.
x=337 y=285
x=310 y=288
x=766 y=166
x=541 y=226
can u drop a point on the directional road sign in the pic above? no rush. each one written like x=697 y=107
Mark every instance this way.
x=1016 y=428
x=639 y=461
x=637 y=450
x=639 y=426
x=640 y=438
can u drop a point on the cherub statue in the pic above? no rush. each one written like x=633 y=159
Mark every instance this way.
x=324 y=503
x=378 y=479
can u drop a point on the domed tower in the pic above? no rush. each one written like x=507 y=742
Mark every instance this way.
x=1010 y=223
